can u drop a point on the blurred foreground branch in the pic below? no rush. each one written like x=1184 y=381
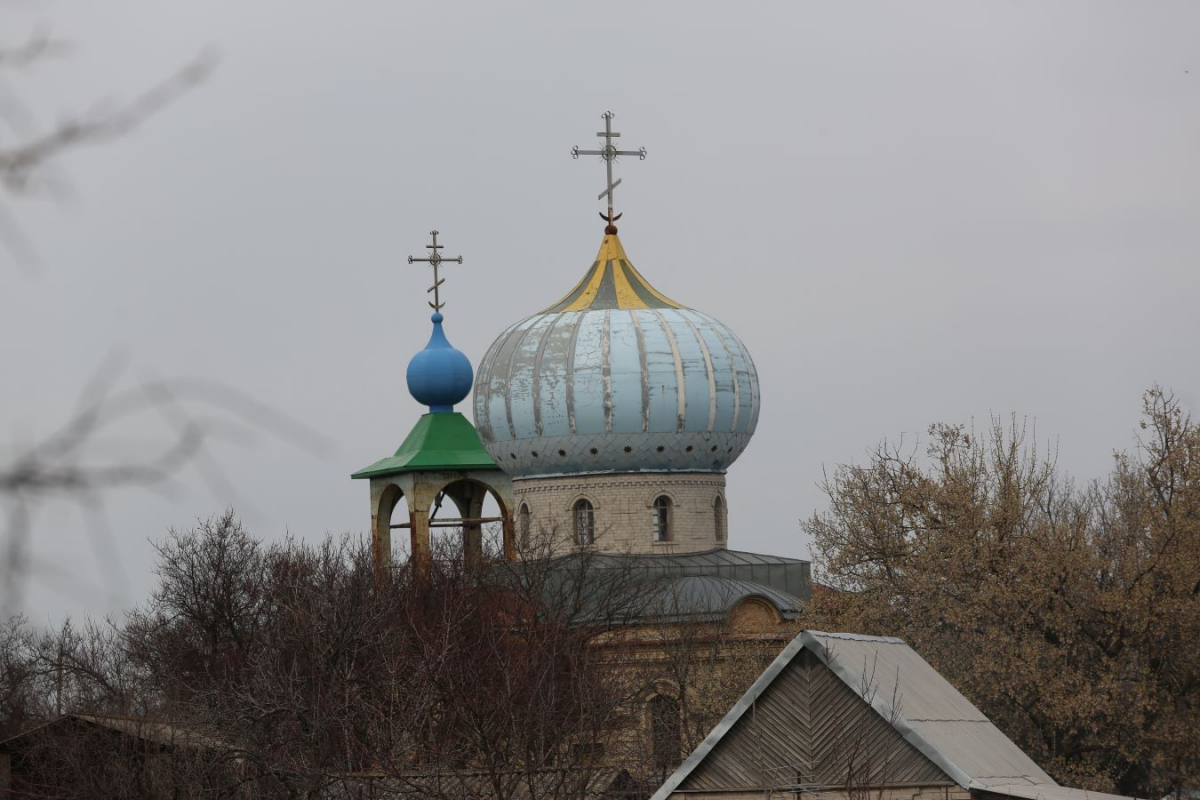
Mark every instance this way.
x=28 y=151
x=88 y=457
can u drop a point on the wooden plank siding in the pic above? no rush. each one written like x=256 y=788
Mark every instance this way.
x=808 y=726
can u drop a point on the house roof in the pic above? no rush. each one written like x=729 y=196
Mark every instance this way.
x=149 y=729
x=913 y=697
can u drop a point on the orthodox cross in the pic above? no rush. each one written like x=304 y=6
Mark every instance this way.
x=435 y=259
x=609 y=154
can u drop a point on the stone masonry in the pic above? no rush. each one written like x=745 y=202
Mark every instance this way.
x=623 y=505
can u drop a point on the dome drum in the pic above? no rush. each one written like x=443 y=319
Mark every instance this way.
x=621 y=508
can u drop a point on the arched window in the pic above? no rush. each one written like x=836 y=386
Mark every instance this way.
x=585 y=523
x=662 y=518
x=719 y=515
x=523 y=524
x=665 y=731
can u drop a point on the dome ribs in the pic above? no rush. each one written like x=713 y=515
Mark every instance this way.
x=641 y=345
x=708 y=371
x=536 y=377
x=681 y=390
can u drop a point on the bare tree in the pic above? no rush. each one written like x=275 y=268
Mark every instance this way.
x=1067 y=614
x=319 y=678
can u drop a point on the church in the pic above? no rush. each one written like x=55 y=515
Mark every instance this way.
x=604 y=423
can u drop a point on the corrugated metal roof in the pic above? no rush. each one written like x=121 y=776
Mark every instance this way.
x=918 y=702
x=931 y=708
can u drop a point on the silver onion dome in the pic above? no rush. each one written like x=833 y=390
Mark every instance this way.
x=616 y=377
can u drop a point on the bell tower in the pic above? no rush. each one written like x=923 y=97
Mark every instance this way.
x=441 y=458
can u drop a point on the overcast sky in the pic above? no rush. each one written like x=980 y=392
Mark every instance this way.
x=909 y=212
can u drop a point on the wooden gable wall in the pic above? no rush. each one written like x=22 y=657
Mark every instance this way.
x=810 y=727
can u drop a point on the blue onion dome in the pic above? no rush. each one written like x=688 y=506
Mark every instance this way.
x=616 y=377
x=439 y=376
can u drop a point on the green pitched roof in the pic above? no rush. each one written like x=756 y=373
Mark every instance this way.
x=439 y=441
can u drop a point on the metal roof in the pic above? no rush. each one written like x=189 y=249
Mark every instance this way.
x=916 y=700
x=439 y=441
x=703 y=598
x=789 y=576
x=633 y=588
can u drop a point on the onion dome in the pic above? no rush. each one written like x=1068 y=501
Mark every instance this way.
x=439 y=376
x=616 y=377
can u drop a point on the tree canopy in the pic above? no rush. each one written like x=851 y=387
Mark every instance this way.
x=1070 y=614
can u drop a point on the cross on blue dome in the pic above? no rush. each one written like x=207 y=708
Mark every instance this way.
x=439 y=376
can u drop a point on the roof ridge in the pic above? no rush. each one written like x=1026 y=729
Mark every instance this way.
x=859 y=637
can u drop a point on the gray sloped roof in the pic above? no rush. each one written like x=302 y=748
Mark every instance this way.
x=703 y=597
x=930 y=712
x=787 y=575
x=917 y=701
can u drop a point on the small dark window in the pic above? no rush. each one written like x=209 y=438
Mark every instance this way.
x=665 y=731
x=662 y=518
x=719 y=515
x=585 y=523
x=523 y=524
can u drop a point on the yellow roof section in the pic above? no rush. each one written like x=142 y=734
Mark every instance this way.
x=612 y=282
